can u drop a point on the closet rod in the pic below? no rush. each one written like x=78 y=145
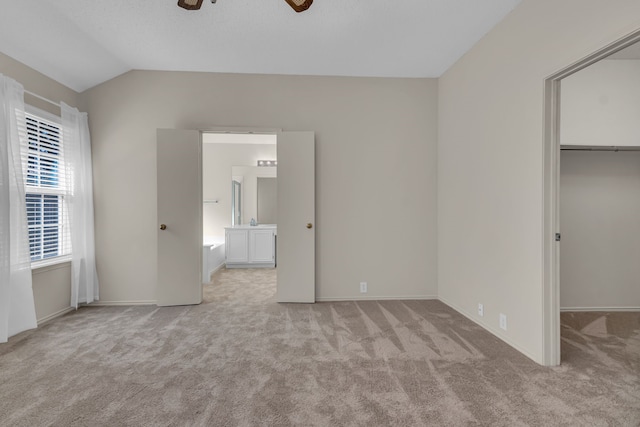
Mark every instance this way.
x=614 y=149
x=35 y=95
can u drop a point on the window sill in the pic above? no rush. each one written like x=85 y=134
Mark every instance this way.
x=50 y=264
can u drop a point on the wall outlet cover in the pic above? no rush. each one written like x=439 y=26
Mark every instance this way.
x=480 y=310
x=503 y=321
x=363 y=287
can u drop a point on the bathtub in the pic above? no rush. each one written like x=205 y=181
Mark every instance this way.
x=212 y=258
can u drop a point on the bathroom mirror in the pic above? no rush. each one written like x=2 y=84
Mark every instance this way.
x=258 y=195
x=267 y=209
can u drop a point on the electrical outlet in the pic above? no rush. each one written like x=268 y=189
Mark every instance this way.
x=503 y=321
x=363 y=287
x=480 y=310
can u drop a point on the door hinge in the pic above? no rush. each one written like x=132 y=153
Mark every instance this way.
x=558 y=237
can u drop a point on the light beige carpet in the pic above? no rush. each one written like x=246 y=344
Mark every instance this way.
x=240 y=359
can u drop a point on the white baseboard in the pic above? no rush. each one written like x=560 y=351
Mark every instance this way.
x=378 y=298
x=494 y=331
x=212 y=272
x=54 y=315
x=253 y=265
x=119 y=303
x=613 y=309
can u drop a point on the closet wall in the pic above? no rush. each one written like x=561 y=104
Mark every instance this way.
x=601 y=104
x=600 y=190
x=600 y=223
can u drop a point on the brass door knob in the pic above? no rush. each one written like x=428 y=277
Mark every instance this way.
x=309 y=225
x=163 y=227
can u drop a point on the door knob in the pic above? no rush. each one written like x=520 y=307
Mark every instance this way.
x=163 y=227
x=309 y=225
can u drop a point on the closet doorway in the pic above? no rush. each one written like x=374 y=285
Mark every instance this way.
x=592 y=190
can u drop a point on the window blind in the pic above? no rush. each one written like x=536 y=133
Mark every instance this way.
x=47 y=187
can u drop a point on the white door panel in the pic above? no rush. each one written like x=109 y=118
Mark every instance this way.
x=179 y=182
x=296 y=217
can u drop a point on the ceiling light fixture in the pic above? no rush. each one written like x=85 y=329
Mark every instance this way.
x=300 y=5
x=297 y=5
x=190 y=4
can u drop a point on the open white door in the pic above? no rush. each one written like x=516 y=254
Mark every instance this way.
x=296 y=217
x=179 y=217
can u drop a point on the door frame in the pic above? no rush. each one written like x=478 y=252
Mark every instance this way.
x=250 y=130
x=551 y=195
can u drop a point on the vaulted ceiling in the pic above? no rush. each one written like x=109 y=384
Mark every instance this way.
x=82 y=43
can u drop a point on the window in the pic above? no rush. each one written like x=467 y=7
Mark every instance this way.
x=46 y=188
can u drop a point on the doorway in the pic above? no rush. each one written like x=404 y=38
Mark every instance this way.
x=180 y=212
x=552 y=163
x=268 y=217
x=231 y=168
x=233 y=250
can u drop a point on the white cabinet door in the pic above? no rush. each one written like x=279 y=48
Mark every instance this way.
x=261 y=246
x=237 y=246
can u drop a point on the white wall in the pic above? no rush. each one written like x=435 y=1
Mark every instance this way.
x=375 y=171
x=52 y=290
x=601 y=104
x=217 y=161
x=600 y=223
x=51 y=285
x=490 y=158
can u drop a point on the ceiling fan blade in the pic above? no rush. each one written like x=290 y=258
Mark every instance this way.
x=300 y=5
x=190 y=4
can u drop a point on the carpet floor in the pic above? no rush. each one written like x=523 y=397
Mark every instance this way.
x=241 y=359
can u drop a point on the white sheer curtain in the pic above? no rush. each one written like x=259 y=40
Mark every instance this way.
x=77 y=157
x=17 y=310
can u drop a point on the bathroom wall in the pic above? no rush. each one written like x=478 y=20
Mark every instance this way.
x=218 y=158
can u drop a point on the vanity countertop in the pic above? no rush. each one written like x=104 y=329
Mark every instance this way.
x=247 y=226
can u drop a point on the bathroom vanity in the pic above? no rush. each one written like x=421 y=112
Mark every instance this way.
x=248 y=246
